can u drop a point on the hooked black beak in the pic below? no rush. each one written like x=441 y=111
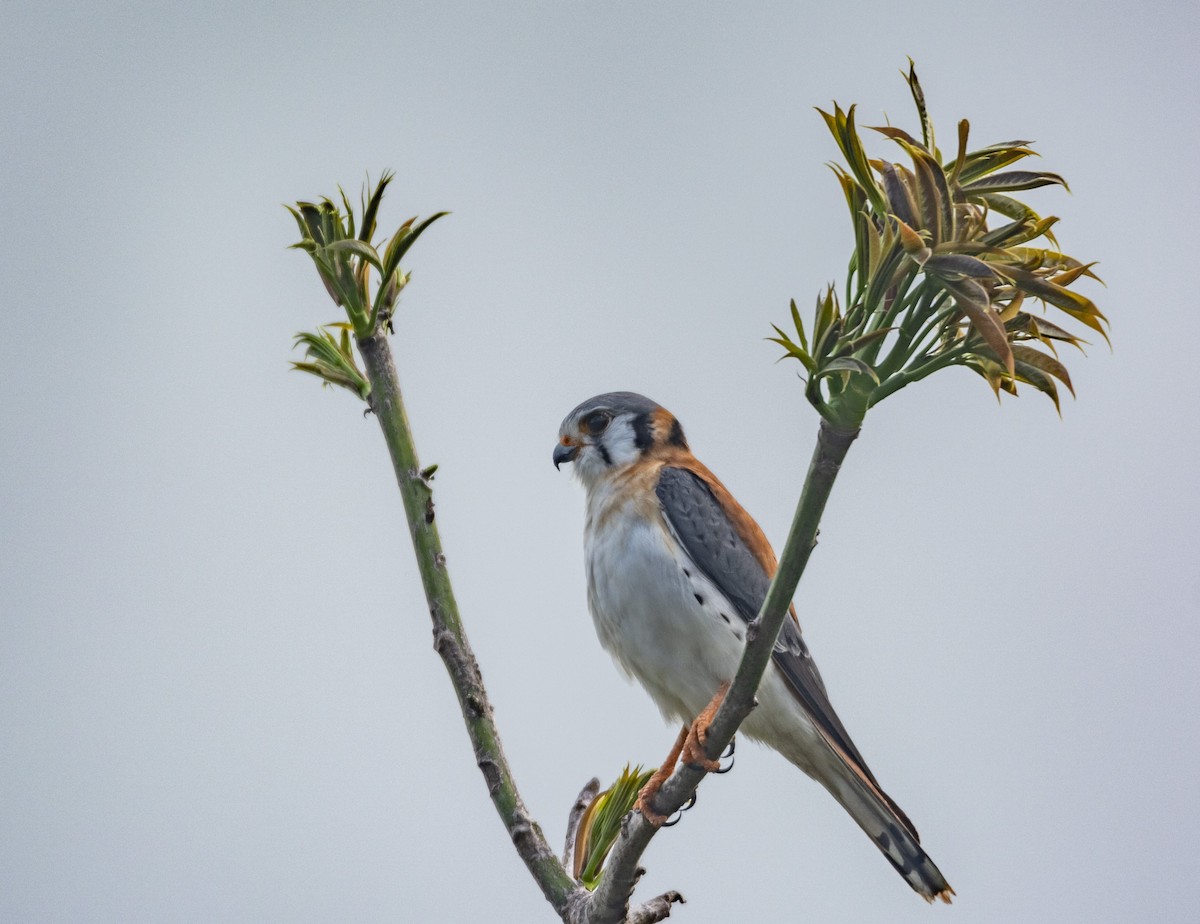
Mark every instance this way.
x=564 y=454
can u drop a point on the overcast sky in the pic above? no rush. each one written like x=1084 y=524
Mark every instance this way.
x=218 y=697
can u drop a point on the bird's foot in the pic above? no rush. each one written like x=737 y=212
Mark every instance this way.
x=697 y=736
x=654 y=784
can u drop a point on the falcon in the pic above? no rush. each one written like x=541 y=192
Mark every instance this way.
x=676 y=571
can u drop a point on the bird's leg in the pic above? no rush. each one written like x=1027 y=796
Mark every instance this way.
x=693 y=748
x=689 y=747
x=654 y=784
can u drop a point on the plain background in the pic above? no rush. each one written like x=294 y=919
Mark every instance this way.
x=218 y=696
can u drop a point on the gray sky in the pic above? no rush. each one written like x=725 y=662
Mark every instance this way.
x=218 y=696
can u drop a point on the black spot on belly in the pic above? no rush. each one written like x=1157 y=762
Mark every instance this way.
x=700 y=600
x=687 y=573
x=726 y=618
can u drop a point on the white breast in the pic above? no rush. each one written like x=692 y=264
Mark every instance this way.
x=671 y=629
x=662 y=620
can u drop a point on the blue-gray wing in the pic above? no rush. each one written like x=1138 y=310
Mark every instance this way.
x=711 y=541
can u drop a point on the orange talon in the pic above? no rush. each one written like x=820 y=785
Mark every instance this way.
x=654 y=784
x=689 y=747
x=697 y=737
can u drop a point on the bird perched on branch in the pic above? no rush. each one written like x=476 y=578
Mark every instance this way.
x=676 y=571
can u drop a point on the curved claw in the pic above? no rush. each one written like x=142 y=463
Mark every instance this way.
x=678 y=816
x=727 y=754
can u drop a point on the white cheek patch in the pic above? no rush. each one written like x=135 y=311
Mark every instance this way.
x=616 y=448
x=620 y=442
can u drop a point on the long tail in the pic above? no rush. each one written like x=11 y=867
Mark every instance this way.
x=888 y=827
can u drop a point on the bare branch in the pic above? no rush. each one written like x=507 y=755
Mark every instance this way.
x=657 y=909
x=585 y=798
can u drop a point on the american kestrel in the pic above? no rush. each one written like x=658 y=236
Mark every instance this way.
x=676 y=569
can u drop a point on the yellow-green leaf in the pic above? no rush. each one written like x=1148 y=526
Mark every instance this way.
x=1047 y=364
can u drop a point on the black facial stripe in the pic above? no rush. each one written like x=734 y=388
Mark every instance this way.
x=642 y=434
x=677 y=438
x=604 y=454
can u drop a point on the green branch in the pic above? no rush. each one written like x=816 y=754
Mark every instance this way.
x=344 y=263
x=450 y=638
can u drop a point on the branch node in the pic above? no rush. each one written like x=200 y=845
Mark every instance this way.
x=475 y=705
x=657 y=909
x=443 y=638
x=491 y=773
x=439 y=560
x=428 y=510
x=521 y=831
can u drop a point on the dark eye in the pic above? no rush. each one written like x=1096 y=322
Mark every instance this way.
x=596 y=422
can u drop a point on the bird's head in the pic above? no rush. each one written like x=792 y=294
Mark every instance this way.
x=610 y=432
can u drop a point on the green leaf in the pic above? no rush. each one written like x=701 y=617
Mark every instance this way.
x=988 y=160
x=1047 y=364
x=1014 y=180
x=1033 y=258
x=899 y=195
x=1009 y=236
x=396 y=254
x=359 y=249
x=876 y=244
x=972 y=299
x=1032 y=375
x=826 y=324
x=349 y=213
x=310 y=216
x=964 y=129
x=1008 y=207
x=1024 y=326
x=918 y=95
x=936 y=204
x=1074 y=304
x=367 y=233
x=799 y=324
x=992 y=372
x=841 y=125
x=896 y=134
x=601 y=823
x=913 y=244
x=333 y=359
x=847 y=364
x=853 y=346
x=958 y=264
x=794 y=350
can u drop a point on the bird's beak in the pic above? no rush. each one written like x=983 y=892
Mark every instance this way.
x=564 y=454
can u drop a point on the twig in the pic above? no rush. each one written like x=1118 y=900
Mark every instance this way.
x=585 y=798
x=657 y=909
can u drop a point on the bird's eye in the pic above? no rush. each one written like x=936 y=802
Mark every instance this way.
x=596 y=422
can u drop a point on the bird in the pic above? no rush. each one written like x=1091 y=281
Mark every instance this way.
x=676 y=572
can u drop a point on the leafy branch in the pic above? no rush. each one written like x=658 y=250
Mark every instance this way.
x=935 y=280
x=367 y=287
